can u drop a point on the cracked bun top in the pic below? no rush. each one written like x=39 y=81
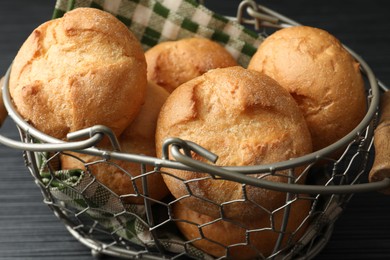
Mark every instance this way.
x=320 y=74
x=173 y=63
x=245 y=118
x=77 y=71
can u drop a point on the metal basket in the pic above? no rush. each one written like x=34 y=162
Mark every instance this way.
x=104 y=222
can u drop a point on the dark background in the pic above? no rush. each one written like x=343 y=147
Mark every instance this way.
x=29 y=230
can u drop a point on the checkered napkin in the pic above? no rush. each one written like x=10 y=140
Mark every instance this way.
x=154 y=21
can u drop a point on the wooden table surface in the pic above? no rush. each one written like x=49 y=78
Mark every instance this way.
x=29 y=230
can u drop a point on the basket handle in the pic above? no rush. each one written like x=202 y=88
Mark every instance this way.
x=381 y=166
x=96 y=135
x=180 y=155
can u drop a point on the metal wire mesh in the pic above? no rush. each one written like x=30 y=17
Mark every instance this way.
x=109 y=224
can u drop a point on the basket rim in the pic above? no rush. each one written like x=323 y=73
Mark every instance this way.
x=282 y=165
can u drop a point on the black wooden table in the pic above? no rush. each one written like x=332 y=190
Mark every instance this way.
x=29 y=230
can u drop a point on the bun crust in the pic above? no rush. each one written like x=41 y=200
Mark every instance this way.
x=138 y=138
x=217 y=235
x=320 y=74
x=172 y=63
x=73 y=72
x=245 y=118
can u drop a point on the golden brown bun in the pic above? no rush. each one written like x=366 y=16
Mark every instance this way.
x=3 y=111
x=219 y=234
x=172 y=63
x=322 y=77
x=144 y=125
x=138 y=138
x=74 y=72
x=245 y=118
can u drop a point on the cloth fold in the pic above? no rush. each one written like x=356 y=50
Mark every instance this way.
x=154 y=21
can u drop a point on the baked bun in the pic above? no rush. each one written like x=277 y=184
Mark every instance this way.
x=172 y=63
x=219 y=237
x=245 y=118
x=138 y=138
x=322 y=77
x=73 y=72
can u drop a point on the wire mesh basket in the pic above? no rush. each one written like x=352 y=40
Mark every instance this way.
x=109 y=224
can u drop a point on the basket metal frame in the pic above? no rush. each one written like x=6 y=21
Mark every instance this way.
x=181 y=149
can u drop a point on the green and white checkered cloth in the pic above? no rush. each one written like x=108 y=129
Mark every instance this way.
x=154 y=21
